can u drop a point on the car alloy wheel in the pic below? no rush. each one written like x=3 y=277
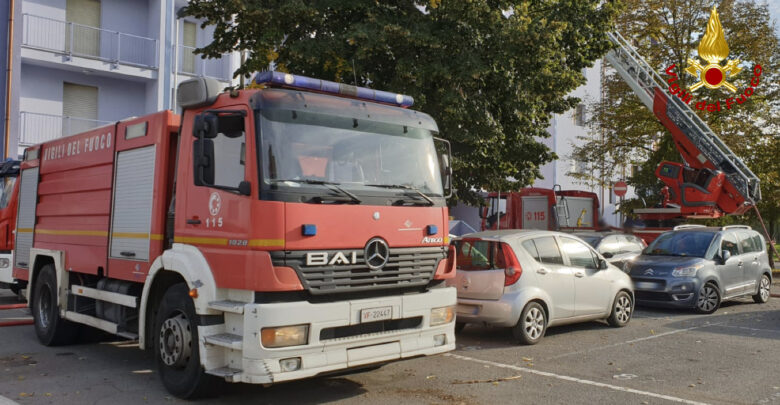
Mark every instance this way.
x=533 y=323
x=623 y=309
x=708 y=300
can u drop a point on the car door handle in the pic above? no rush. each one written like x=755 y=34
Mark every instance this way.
x=193 y=221
x=739 y=263
x=542 y=271
x=580 y=274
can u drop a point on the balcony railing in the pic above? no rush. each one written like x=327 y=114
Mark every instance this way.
x=73 y=39
x=192 y=64
x=36 y=127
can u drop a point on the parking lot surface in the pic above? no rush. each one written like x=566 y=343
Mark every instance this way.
x=662 y=356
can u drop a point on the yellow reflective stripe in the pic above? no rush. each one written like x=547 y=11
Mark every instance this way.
x=200 y=241
x=70 y=232
x=224 y=241
x=266 y=242
x=24 y=230
x=137 y=235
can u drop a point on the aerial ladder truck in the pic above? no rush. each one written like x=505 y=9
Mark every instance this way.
x=712 y=181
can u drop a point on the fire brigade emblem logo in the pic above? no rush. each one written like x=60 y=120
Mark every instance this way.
x=215 y=204
x=713 y=49
x=376 y=254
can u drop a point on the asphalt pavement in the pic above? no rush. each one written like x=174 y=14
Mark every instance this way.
x=662 y=356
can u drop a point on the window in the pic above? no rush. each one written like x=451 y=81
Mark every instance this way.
x=729 y=243
x=579 y=254
x=496 y=209
x=85 y=14
x=758 y=241
x=79 y=108
x=548 y=250
x=681 y=243
x=530 y=247
x=224 y=154
x=7 y=190
x=188 y=44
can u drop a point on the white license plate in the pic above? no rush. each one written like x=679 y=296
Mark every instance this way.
x=376 y=314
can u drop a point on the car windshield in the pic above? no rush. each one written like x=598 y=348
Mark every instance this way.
x=693 y=244
x=359 y=155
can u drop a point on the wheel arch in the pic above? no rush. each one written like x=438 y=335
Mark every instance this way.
x=181 y=263
x=40 y=258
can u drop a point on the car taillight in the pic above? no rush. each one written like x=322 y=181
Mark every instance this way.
x=513 y=271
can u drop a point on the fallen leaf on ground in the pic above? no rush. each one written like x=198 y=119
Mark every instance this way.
x=494 y=381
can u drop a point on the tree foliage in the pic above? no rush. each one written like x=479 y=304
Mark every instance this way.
x=667 y=32
x=490 y=72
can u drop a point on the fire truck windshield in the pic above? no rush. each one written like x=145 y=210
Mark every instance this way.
x=365 y=157
x=7 y=190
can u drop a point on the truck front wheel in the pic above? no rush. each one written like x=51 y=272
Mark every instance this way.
x=176 y=346
x=51 y=328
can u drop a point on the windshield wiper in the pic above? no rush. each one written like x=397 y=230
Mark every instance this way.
x=404 y=187
x=333 y=186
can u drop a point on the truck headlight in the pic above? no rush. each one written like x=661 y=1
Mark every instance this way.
x=440 y=316
x=284 y=336
x=4 y=263
x=689 y=271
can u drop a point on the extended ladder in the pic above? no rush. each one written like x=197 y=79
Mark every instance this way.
x=644 y=80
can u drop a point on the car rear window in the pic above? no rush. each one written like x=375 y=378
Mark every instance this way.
x=475 y=254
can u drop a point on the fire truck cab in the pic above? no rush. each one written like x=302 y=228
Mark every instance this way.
x=9 y=192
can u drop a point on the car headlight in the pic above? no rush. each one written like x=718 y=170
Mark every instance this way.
x=284 y=336
x=689 y=271
x=440 y=316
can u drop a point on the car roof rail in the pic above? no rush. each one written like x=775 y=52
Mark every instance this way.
x=723 y=228
x=688 y=226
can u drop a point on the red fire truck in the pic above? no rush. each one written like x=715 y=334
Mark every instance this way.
x=9 y=192
x=541 y=208
x=266 y=235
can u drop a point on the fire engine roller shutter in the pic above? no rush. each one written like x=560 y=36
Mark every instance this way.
x=133 y=191
x=25 y=222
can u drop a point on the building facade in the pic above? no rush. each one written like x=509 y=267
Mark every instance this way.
x=80 y=64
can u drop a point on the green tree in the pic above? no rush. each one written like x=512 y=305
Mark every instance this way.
x=668 y=32
x=490 y=72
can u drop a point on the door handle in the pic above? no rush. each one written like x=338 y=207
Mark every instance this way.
x=739 y=263
x=542 y=271
x=580 y=274
x=193 y=221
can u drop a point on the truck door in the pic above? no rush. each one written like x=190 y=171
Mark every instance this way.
x=535 y=212
x=212 y=210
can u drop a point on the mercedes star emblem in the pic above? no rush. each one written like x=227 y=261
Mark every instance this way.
x=376 y=254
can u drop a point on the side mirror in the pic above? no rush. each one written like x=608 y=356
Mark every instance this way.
x=245 y=188
x=725 y=255
x=603 y=264
x=446 y=165
x=607 y=255
x=203 y=162
x=205 y=126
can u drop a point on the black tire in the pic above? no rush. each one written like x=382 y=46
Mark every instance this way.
x=708 y=299
x=764 y=286
x=177 y=355
x=459 y=326
x=52 y=330
x=622 y=310
x=532 y=324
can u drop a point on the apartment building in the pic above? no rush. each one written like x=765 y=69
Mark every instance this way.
x=79 y=64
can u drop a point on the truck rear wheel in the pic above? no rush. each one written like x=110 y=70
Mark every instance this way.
x=176 y=346
x=52 y=330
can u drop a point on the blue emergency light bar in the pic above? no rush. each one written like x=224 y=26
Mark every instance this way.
x=324 y=86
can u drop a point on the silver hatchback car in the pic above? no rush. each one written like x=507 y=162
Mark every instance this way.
x=531 y=279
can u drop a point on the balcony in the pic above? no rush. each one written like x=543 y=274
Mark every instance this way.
x=190 y=64
x=36 y=127
x=71 y=40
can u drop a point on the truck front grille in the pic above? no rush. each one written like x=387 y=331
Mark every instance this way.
x=406 y=267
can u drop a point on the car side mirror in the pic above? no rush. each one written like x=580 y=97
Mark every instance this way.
x=725 y=255
x=603 y=264
x=245 y=188
x=607 y=255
